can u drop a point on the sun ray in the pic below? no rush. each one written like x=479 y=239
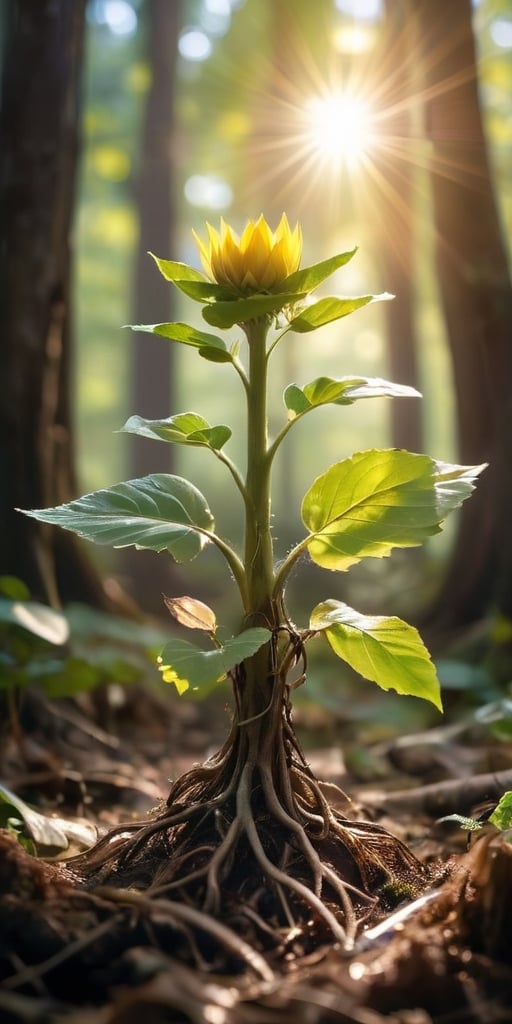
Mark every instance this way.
x=325 y=131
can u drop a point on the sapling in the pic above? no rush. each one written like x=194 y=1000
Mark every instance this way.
x=251 y=833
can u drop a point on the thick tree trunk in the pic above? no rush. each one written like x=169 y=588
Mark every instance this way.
x=38 y=157
x=477 y=301
x=393 y=214
x=153 y=296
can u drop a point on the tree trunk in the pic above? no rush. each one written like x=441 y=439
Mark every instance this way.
x=153 y=296
x=477 y=300
x=38 y=156
x=394 y=215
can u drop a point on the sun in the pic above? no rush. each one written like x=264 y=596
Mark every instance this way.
x=338 y=128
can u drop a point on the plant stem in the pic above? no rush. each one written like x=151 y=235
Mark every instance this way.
x=234 y=563
x=258 y=556
x=288 y=563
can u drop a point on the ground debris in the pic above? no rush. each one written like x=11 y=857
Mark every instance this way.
x=77 y=956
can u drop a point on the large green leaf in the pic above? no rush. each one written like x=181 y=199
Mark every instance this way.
x=239 y=311
x=36 y=618
x=209 y=345
x=185 y=428
x=328 y=309
x=186 y=665
x=158 y=512
x=377 y=500
x=344 y=391
x=386 y=650
x=308 y=278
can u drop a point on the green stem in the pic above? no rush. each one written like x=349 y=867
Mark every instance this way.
x=288 y=563
x=258 y=555
x=234 y=562
x=282 y=434
x=241 y=372
x=278 y=339
x=222 y=457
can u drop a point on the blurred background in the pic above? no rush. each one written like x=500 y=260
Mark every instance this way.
x=382 y=124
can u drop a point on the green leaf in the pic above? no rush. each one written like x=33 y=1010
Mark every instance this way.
x=190 y=281
x=308 y=278
x=173 y=271
x=387 y=651
x=159 y=512
x=204 y=291
x=328 y=309
x=239 y=311
x=185 y=428
x=67 y=679
x=377 y=500
x=501 y=816
x=343 y=391
x=36 y=618
x=14 y=588
x=186 y=665
x=18 y=817
x=209 y=345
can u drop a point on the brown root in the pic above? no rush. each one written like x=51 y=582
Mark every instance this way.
x=249 y=839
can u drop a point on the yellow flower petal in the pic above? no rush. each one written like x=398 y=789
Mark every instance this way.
x=258 y=261
x=204 y=254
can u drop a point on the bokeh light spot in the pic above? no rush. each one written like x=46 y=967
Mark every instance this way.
x=208 y=191
x=194 y=44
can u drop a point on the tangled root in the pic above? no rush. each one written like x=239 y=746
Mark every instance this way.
x=249 y=839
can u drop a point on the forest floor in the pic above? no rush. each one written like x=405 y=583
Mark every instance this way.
x=108 y=757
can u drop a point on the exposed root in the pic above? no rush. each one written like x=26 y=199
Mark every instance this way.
x=250 y=839
x=179 y=914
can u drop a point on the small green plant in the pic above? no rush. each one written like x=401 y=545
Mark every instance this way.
x=500 y=816
x=28 y=632
x=256 y=807
x=95 y=649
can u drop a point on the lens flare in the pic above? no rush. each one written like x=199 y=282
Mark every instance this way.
x=339 y=128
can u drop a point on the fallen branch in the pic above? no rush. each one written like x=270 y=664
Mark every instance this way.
x=450 y=796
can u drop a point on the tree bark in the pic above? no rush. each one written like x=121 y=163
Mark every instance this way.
x=393 y=197
x=153 y=297
x=476 y=295
x=38 y=157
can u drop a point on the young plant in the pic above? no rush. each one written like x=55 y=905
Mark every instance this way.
x=27 y=628
x=254 y=819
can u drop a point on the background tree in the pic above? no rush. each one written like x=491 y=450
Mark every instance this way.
x=476 y=298
x=153 y=299
x=156 y=205
x=393 y=213
x=39 y=129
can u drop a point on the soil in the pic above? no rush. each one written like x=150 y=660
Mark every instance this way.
x=85 y=954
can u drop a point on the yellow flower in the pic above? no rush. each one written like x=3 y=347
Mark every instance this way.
x=259 y=261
